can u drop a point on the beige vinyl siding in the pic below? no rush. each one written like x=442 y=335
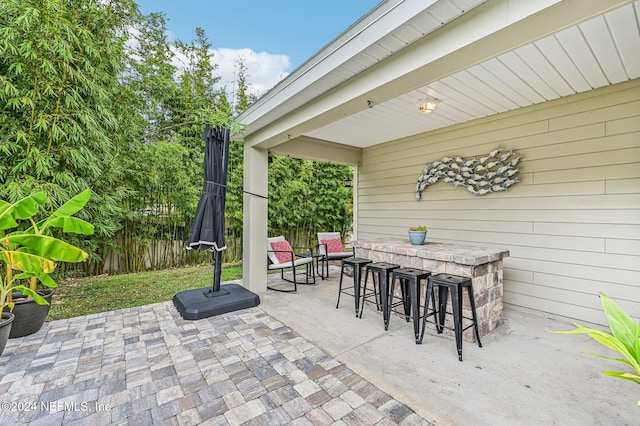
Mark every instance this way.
x=572 y=224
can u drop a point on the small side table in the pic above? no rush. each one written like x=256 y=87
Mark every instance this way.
x=316 y=257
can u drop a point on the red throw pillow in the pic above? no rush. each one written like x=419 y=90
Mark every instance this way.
x=334 y=245
x=282 y=251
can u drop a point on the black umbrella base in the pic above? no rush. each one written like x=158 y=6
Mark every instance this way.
x=204 y=303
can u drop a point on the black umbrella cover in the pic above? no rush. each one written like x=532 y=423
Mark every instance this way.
x=207 y=233
x=208 y=229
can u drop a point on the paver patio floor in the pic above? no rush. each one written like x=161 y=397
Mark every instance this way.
x=148 y=366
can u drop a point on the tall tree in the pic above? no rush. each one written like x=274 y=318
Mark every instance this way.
x=199 y=100
x=150 y=77
x=91 y=96
x=234 y=212
x=59 y=67
x=147 y=85
x=164 y=163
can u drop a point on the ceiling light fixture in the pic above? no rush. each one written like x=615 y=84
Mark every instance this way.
x=427 y=105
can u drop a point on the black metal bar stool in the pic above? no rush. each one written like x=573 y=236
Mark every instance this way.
x=356 y=264
x=410 y=281
x=456 y=284
x=383 y=272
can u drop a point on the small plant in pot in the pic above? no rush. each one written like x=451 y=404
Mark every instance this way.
x=417 y=234
x=28 y=255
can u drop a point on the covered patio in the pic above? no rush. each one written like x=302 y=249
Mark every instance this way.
x=556 y=82
x=296 y=359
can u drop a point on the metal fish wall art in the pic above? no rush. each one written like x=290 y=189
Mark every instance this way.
x=494 y=172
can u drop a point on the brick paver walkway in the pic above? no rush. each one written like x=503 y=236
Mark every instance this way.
x=148 y=366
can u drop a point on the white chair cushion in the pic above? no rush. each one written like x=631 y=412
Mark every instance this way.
x=297 y=262
x=340 y=255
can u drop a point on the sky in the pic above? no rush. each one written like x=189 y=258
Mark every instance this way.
x=273 y=37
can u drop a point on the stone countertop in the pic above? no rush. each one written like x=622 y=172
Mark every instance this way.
x=456 y=253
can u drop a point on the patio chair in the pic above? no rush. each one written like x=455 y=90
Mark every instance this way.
x=282 y=256
x=330 y=247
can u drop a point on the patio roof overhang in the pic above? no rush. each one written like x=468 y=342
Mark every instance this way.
x=476 y=57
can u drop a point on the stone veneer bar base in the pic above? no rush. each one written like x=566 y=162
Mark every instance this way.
x=482 y=264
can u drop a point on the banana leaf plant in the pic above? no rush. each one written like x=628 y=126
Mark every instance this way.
x=624 y=339
x=28 y=252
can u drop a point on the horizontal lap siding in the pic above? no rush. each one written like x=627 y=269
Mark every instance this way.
x=572 y=224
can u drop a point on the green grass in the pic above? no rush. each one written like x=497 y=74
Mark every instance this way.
x=84 y=296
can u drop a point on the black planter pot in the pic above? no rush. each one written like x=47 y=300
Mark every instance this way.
x=5 y=329
x=29 y=315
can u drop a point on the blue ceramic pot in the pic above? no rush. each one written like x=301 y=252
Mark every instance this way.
x=417 y=237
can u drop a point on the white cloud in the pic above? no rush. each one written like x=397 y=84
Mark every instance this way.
x=263 y=69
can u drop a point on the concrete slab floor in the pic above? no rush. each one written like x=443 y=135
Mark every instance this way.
x=522 y=375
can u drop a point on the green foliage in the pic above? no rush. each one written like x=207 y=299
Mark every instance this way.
x=30 y=250
x=234 y=201
x=419 y=228
x=58 y=63
x=59 y=68
x=92 y=97
x=198 y=101
x=149 y=80
x=162 y=168
x=625 y=339
x=306 y=197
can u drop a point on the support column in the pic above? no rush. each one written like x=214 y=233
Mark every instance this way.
x=355 y=201
x=254 y=236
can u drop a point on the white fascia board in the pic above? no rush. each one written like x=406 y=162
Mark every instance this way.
x=487 y=19
x=381 y=21
x=487 y=31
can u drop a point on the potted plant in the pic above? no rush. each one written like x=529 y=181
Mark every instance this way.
x=28 y=255
x=5 y=324
x=624 y=339
x=417 y=234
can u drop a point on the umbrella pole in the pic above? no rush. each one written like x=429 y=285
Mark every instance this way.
x=215 y=290
x=217 y=271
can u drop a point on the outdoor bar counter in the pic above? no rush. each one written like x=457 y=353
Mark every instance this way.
x=482 y=264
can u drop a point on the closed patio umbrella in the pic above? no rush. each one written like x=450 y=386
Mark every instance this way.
x=207 y=233
x=207 y=230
